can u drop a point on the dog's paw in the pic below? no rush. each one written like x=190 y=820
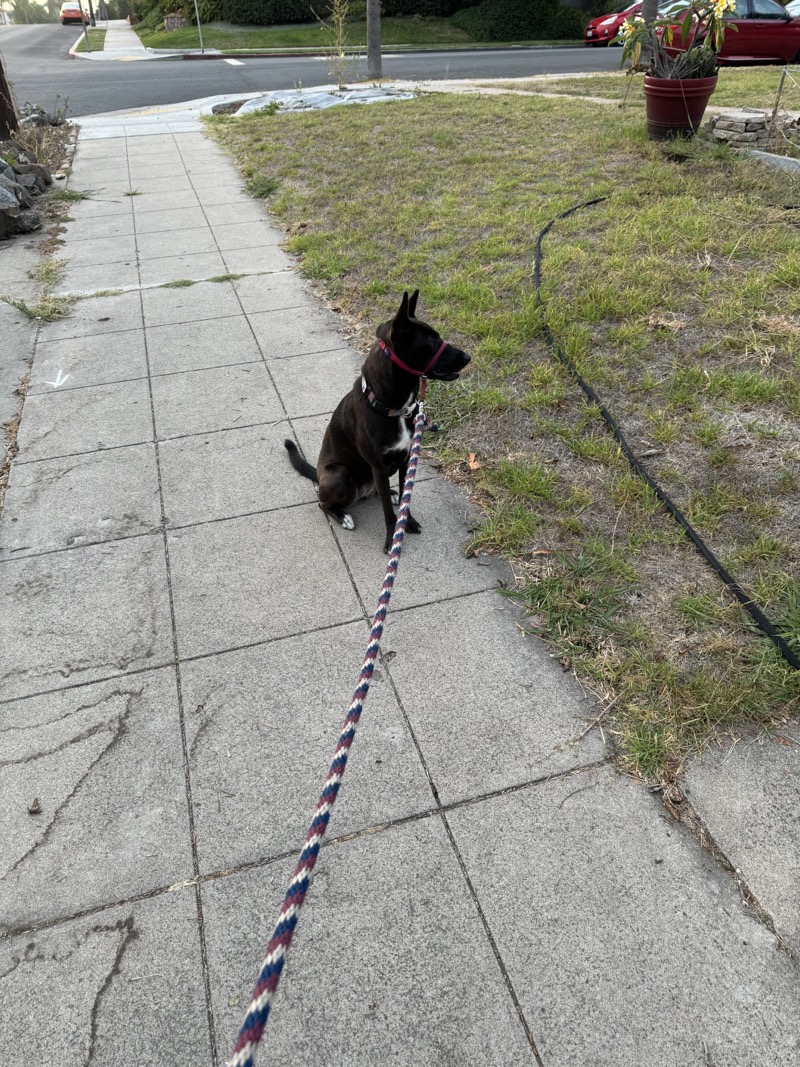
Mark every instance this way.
x=395 y=497
x=413 y=526
x=347 y=522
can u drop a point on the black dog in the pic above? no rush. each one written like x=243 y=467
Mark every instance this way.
x=369 y=435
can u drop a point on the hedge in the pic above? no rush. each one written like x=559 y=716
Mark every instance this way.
x=519 y=20
x=427 y=8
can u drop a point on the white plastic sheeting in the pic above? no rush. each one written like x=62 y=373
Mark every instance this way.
x=315 y=99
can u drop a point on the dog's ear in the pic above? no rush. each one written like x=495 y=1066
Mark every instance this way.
x=412 y=304
x=402 y=313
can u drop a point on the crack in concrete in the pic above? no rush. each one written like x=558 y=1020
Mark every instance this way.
x=131 y=934
x=118 y=732
x=84 y=735
x=682 y=811
x=68 y=714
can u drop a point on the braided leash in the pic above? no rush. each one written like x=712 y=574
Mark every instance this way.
x=261 y=1002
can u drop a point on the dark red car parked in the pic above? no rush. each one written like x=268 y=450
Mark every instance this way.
x=764 y=33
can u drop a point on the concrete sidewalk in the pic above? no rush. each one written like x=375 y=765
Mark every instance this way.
x=182 y=631
x=121 y=44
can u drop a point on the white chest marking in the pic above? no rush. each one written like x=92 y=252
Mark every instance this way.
x=403 y=441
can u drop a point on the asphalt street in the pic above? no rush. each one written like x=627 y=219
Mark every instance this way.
x=36 y=62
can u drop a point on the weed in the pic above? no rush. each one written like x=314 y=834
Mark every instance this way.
x=48 y=272
x=261 y=186
x=69 y=196
x=48 y=309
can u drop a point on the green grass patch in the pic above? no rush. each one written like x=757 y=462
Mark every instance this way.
x=737 y=87
x=428 y=32
x=676 y=297
x=97 y=39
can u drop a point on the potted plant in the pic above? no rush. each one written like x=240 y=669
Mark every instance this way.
x=679 y=77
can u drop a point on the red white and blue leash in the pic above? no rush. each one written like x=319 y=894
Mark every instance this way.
x=264 y=992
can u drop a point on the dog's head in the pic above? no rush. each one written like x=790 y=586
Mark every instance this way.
x=416 y=343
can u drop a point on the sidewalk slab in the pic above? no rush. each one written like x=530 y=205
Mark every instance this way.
x=130 y=989
x=195 y=267
x=435 y=567
x=68 y=422
x=97 y=315
x=312 y=384
x=231 y=586
x=189 y=304
x=749 y=794
x=273 y=713
x=227 y=474
x=84 y=614
x=214 y=342
x=626 y=945
x=489 y=708
x=70 y=751
x=96 y=359
x=80 y=500
x=221 y=398
x=417 y=980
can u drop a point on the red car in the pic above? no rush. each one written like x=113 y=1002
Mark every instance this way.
x=71 y=12
x=606 y=27
x=764 y=33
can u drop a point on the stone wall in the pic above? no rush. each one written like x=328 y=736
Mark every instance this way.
x=750 y=128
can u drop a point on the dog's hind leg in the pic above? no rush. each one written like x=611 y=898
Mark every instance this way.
x=337 y=492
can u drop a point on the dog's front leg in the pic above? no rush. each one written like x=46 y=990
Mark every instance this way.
x=412 y=525
x=385 y=495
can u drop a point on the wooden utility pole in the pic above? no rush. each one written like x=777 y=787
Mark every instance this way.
x=373 y=38
x=8 y=113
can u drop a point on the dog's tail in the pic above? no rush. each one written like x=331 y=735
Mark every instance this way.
x=299 y=463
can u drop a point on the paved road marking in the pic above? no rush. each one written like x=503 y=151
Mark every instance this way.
x=235 y=62
x=59 y=380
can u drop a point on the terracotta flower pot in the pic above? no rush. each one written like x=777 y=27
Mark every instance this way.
x=676 y=107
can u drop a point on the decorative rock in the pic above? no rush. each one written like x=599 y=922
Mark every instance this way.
x=34 y=168
x=28 y=221
x=29 y=182
x=8 y=202
x=22 y=195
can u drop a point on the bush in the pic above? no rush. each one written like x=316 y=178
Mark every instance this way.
x=268 y=12
x=566 y=24
x=519 y=20
x=429 y=8
x=209 y=10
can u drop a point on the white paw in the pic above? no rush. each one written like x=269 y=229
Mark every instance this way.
x=347 y=522
x=395 y=497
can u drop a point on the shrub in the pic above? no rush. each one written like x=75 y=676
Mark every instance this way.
x=268 y=12
x=209 y=11
x=566 y=24
x=506 y=20
x=430 y=8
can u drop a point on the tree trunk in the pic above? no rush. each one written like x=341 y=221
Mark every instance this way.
x=8 y=113
x=373 y=38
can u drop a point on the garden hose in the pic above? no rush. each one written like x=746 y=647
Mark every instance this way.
x=753 y=610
